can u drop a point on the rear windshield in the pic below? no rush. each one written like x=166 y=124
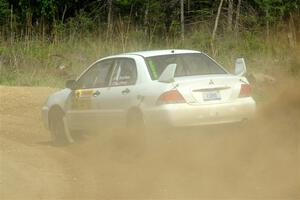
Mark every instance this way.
x=187 y=65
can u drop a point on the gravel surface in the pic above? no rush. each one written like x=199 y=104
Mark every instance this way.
x=257 y=160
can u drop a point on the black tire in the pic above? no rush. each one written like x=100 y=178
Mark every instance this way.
x=135 y=140
x=135 y=123
x=57 y=127
x=136 y=129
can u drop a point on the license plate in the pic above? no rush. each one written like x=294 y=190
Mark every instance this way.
x=212 y=95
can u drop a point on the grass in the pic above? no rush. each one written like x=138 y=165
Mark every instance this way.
x=37 y=62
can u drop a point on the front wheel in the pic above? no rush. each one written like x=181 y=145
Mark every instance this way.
x=58 y=128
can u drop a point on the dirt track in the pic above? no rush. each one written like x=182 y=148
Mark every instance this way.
x=260 y=160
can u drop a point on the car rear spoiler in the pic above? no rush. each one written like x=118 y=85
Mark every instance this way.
x=167 y=76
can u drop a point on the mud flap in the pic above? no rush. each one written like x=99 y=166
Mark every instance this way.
x=67 y=131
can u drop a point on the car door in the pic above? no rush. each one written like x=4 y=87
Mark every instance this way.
x=121 y=94
x=82 y=112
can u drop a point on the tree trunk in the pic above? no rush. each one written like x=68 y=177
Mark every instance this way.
x=146 y=21
x=63 y=15
x=229 y=16
x=127 y=29
x=237 y=18
x=11 y=25
x=29 y=25
x=216 y=26
x=182 y=19
x=109 y=19
x=268 y=24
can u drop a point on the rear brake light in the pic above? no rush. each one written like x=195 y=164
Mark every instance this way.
x=170 y=97
x=245 y=90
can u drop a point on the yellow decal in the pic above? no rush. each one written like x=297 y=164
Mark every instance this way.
x=82 y=99
x=83 y=93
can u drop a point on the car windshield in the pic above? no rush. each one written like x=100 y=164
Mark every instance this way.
x=190 y=64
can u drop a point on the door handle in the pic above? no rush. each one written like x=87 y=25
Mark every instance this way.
x=97 y=93
x=126 y=91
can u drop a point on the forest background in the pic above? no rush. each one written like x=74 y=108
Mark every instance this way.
x=45 y=42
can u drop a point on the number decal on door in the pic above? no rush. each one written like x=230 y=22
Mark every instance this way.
x=82 y=99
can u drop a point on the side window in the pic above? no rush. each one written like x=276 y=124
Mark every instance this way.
x=97 y=76
x=124 y=73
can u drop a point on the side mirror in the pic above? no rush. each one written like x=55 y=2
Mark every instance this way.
x=71 y=84
x=167 y=76
x=240 y=67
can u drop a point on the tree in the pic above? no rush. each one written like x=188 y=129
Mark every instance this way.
x=237 y=18
x=216 y=25
x=155 y=17
x=182 y=19
x=229 y=15
x=109 y=19
x=4 y=11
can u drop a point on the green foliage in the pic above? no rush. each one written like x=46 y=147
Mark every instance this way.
x=155 y=16
x=4 y=11
x=37 y=62
x=41 y=35
x=125 y=2
x=200 y=39
x=47 y=8
x=277 y=9
x=81 y=23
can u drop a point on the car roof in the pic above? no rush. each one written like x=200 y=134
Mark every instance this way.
x=161 y=52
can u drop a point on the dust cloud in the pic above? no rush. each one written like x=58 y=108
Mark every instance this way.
x=256 y=160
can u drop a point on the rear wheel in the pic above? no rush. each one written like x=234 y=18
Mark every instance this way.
x=135 y=123
x=136 y=130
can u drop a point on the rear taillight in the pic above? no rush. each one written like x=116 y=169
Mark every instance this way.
x=245 y=90
x=170 y=97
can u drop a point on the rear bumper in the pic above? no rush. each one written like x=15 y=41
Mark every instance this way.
x=180 y=115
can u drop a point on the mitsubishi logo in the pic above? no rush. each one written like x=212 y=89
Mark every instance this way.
x=211 y=82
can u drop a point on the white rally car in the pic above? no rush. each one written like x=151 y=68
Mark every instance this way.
x=165 y=87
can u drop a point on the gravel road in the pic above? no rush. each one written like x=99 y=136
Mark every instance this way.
x=259 y=160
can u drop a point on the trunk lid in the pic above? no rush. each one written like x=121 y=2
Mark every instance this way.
x=208 y=89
